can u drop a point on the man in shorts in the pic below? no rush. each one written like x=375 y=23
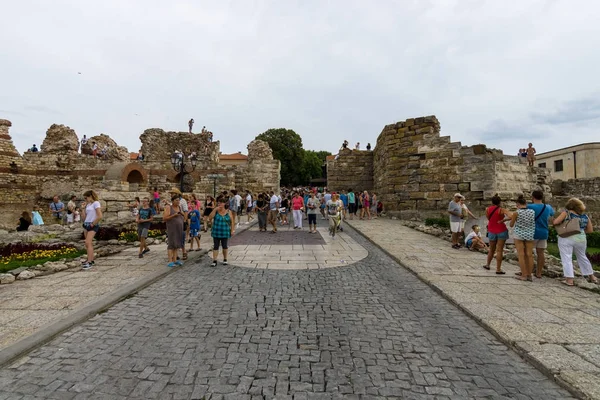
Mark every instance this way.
x=543 y=212
x=144 y=220
x=455 y=211
x=274 y=204
x=249 y=204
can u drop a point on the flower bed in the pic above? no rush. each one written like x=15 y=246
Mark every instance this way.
x=132 y=236
x=22 y=254
x=129 y=235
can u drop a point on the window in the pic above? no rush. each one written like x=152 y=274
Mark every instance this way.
x=558 y=165
x=542 y=165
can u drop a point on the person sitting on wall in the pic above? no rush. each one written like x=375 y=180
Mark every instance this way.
x=369 y=146
x=345 y=144
x=140 y=156
x=357 y=147
x=24 y=222
x=34 y=149
x=94 y=149
x=83 y=142
x=204 y=129
x=104 y=152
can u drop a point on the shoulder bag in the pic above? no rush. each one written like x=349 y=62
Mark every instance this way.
x=490 y=217
x=569 y=226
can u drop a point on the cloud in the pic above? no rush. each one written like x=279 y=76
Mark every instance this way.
x=42 y=109
x=581 y=110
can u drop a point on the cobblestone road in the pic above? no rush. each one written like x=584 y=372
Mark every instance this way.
x=370 y=330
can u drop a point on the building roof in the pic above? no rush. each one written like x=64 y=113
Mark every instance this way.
x=582 y=146
x=331 y=157
x=133 y=156
x=234 y=156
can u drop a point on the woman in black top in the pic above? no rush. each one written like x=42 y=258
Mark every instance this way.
x=209 y=205
x=24 y=222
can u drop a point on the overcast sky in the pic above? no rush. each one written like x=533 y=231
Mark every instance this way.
x=496 y=72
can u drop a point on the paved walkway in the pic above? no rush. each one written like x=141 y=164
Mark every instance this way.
x=369 y=330
x=555 y=326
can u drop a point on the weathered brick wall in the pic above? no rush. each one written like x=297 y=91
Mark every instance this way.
x=353 y=169
x=417 y=171
x=588 y=190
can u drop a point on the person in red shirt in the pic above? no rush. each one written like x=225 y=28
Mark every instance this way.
x=497 y=232
x=297 y=209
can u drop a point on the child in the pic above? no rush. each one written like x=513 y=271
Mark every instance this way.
x=157 y=199
x=76 y=216
x=144 y=221
x=473 y=241
x=194 y=218
x=36 y=217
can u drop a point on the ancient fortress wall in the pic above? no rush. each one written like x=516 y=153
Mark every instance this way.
x=416 y=171
x=587 y=189
x=32 y=179
x=352 y=169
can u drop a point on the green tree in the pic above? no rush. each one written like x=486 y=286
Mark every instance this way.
x=312 y=166
x=287 y=148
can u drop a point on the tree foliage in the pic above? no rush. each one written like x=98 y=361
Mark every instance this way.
x=298 y=166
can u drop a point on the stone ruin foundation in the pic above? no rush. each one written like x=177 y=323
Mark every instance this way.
x=32 y=179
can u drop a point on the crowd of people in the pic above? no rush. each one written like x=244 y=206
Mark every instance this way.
x=528 y=154
x=530 y=222
x=356 y=146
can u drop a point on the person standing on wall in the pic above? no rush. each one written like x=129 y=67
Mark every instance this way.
x=191 y=124
x=543 y=212
x=92 y=214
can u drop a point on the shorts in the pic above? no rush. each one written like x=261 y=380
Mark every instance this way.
x=497 y=236
x=248 y=210
x=207 y=211
x=142 y=232
x=312 y=219
x=540 y=243
x=462 y=225
x=469 y=243
x=455 y=227
x=220 y=241
x=157 y=200
x=194 y=232
x=70 y=218
x=352 y=208
x=88 y=227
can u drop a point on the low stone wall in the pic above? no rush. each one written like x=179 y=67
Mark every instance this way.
x=352 y=169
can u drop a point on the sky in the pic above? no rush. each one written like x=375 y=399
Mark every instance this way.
x=502 y=73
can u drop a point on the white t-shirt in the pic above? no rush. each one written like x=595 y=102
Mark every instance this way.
x=472 y=235
x=237 y=200
x=249 y=201
x=90 y=212
x=273 y=202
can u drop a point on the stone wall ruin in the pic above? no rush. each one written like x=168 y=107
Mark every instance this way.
x=32 y=179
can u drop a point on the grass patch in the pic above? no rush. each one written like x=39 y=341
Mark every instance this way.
x=30 y=254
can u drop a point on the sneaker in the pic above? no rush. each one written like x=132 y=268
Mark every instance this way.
x=213 y=264
x=87 y=265
x=171 y=265
x=141 y=255
x=145 y=251
x=179 y=262
x=225 y=262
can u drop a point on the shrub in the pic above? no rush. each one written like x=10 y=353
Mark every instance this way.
x=593 y=239
x=441 y=222
x=552 y=235
x=594 y=258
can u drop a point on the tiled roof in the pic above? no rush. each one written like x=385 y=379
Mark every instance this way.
x=234 y=156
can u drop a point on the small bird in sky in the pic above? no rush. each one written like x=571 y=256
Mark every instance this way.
x=79 y=73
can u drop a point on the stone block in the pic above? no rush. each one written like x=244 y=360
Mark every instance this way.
x=6 y=278
x=450 y=187
x=464 y=187
x=427 y=204
x=409 y=122
x=417 y=195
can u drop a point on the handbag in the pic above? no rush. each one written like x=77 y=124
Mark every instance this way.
x=569 y=226
x=488 y=224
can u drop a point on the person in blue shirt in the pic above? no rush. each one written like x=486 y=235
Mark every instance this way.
x=543 y=212
x=194 y=217
x=344 y=199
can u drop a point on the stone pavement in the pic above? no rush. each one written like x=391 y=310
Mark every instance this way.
x=554 y=326
x=30 y=307
x=369 y=330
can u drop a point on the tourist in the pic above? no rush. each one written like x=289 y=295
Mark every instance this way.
x=24 y=222
x=184 y=205
x=274 y=204
x=366 y=206
x=222 y=230
x=36 y=217
x=135 y=206
x=140 y=156
x=357 y=146
x=174 y=218
x=368 y=146
x=497 y=232
x=297 y=210
x=374 y=204
x=530 y=154
x=523 y=222
x=204 y=129
x=473 y=241
x=466 y=213
x=209 y=205
x=341 y=208
x=351 y=203
x=94 y=149
x=249 y=204
x=194 y=222
x=379 y=207
x=344 y=199
x=543 y=212
x=238 y=201
x=345 y=145
x=191 y=124
x=261 y=211
x=284 y=209
x=84 y=141
x=71 y=207
x=34 y=149
x=312 y=205
x=577 y=243
x=156 y=195
x=92 y=214
x=359 y=203
x=333 y=211
x=57 y=208
x=455 y=211
x=194 y=200
x=144 y=220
